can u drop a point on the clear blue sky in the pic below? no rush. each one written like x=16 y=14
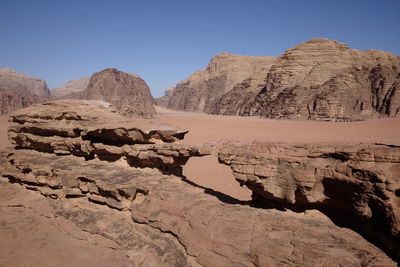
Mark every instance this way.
x=165 y=41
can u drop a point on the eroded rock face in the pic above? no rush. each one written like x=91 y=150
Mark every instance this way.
x=18 y=91
x=71 y=88
x=92 y=129
x=322 y=79
x=15 y=99
x=128 y=92
x=10 y=79
x=357 y=185
x=166 y=209
x=203 y=88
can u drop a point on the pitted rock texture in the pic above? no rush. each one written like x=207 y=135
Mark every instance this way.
x=10 y=79
x=322 y=79
x=203 y=88
x=174 y=223
x=128 y=92
x=71 y=88
x=357 y=185
x=92 y=129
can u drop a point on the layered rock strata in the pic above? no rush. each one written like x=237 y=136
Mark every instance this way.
x=319 y=79
x=203 y=88
x=172 y=222
x=92 y=129
x=356 y=185
x=128 y=92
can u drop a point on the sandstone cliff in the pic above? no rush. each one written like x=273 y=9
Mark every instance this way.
x=10 y=79
x=71 y=88
x=128 y=92
x=203 y=88
x=324 y=80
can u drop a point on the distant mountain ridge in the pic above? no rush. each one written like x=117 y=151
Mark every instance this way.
x=71 y=87
x=319 y=79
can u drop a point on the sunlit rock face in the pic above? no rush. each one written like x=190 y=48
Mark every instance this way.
x=128 y=92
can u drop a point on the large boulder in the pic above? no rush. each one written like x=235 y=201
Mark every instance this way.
x=128 y=92
x=203 y=88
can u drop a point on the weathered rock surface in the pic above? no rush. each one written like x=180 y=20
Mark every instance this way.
x=128 y=92
x=203 y=88
x=15 y=99
x=166 y=209
x=18 y=91
x=322 y=79
x=356 y=185
x=71 y=88
x=10 y=79
x=92 y=129
x=163 y=101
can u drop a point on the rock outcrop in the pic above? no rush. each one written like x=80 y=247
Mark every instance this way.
x=14 y=99
x=71 y=88
x=92 y=129
x=356 y=185
x=18 y=91
x=121 y=178
x=10 y=79
x=171 y=222
x=321 y=79
x=163 y=100
x=203 y=88
x=128 y=92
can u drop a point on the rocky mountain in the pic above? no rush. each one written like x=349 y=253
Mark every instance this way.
x=10 y=79
x=163 y=100
x=18 y=90
x=320 y=79
x=126 y=185
x=17 y=98
x=71 y=88
x=203 y=88
x=128 y=92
